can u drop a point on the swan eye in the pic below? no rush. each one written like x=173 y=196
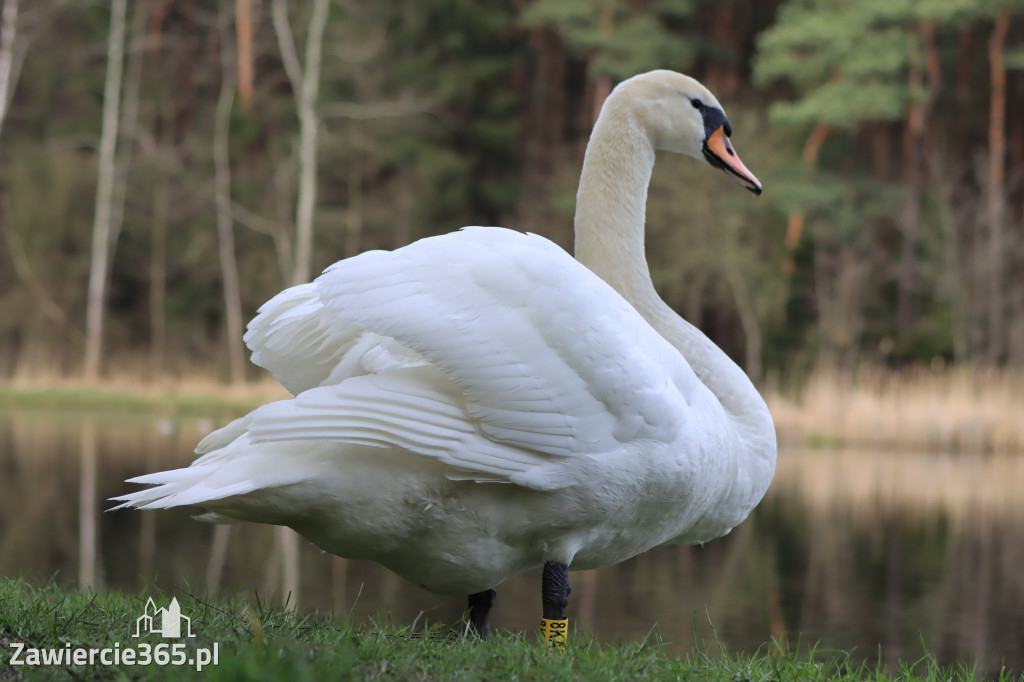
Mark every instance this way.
x=697 y=104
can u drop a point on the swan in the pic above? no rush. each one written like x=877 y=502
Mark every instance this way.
x=481 y=404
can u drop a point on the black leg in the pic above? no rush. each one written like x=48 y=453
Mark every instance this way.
x=555 y=591
x=479 y=609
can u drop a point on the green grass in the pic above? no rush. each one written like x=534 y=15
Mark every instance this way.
x=261 y=643
x=123 y=400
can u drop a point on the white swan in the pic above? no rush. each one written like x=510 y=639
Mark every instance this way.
x=480 y=404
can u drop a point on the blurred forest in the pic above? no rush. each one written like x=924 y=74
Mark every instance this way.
x=168 y=165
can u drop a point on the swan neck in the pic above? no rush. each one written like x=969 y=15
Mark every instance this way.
x=610 y=209
x=611 y=204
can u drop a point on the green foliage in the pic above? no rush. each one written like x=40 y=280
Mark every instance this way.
x=477 y=111
x=845 y=58
x=831 y=104
x=465 y=156
x=616 y=38
x=257 y=642
x=1014 y=59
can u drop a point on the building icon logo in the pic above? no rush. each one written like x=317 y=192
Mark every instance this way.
x=163 y=621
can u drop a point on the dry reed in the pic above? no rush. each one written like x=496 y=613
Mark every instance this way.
x=952 y=410
x=203 y=387
x=955 y=410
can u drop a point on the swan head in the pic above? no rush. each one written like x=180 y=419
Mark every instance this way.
x=680 y=115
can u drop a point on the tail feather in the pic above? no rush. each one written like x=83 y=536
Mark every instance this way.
x=180 y=488
x=238 y=468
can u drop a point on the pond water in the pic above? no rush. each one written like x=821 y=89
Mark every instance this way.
x=869 y=552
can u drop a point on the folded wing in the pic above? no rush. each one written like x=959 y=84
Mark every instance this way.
x=490 y=350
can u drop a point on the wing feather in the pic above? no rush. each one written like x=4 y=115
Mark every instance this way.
x=412 y=408
x=547 y=356
x=492 y=351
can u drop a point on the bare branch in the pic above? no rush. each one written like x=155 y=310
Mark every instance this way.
x=253 y=221
x=361 y=111
x=8 y=33
x=996 y=189
x=104 y=192
x=308 y=129
x=225 y=218
x=23 y=269
x=129 y=116
x=286 y=43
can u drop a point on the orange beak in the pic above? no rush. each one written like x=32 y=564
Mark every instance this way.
x=720 y=154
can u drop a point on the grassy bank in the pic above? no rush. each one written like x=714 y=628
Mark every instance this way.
x=194 y=396
x=255 y=642
x=956 y=410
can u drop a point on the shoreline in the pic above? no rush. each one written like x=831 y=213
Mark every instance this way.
x=957 y=410
x=954 y=411
x=181 y=397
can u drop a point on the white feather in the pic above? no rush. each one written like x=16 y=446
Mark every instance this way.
x=474 y=405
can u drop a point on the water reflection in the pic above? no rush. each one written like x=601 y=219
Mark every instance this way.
x=88 y=510
x=853 y=550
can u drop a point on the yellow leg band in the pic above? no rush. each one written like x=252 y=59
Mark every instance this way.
x=554 y=632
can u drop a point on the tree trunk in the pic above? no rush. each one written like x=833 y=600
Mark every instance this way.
x=918 y=114
x=8 y=34
x=308 y=133
x=89 y=555
x=996 y=188
x=405 y=202
x=354 y=214
x=129 y=120
x=282 y=228
x=104 y=193
x=158 y=278
x=723 y=77
x=305 y=85
x=243 y=30
x=544 y=130
x=225 y=217
x=218 y=557
x=603 y=84
x=795 y=222
x=746 y=308
x=965 y=100
x=305 y=82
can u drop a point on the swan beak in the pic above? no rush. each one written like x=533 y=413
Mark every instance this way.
x=720 y=154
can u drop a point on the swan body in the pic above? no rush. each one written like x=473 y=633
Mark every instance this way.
x=480 y=404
